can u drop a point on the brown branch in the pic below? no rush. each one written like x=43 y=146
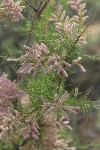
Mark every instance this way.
x=38 y=12
x=30 y=4
x=40 y=4
x=59 y=82
x=41 y=9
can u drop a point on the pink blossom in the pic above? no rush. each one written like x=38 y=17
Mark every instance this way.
x=57 y=104
x=33 y=59
x=12 y=10
x=56 y=64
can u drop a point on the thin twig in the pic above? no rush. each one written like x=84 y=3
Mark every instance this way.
x=59 y=83
x=42 y=8
x=30 y=4
x=38 y=12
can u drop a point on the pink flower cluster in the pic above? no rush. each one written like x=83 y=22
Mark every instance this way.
x=71 y=27
x=8 y=92
x=80 y=8
x=58 y=105
x=27 y=127
x=38 y=57
x=58 y=65
x=8 y=89
x=30 y=130
x=11 y=10
x=33 y=59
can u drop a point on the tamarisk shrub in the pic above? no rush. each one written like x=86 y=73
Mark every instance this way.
x=49 y=100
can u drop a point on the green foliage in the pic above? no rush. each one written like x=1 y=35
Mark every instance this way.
x=5 y=146
x=39 y=87
x=45 y=32
x=93 y=58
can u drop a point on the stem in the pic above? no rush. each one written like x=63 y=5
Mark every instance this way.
x=31 y=5
x=41 y=8
x=59 y=83
x=38 y=12
x=34 y=109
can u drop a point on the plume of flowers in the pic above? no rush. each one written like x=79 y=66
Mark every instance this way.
x=80 y=7
x=71 y=27
x=48 y=139
x=9 y=92
x=58 y=104
x=26 y=125
x=8 y=89
x=30 y=130
x=33 y=59
x=11 y=11
x=57 y=64
x=38 y=57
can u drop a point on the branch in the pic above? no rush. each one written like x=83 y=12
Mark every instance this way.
x=41 y=9
x=30 y=4
x=38 y=12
